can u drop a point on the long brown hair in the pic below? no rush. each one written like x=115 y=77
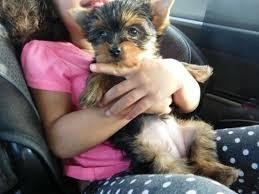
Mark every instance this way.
x=31 y=19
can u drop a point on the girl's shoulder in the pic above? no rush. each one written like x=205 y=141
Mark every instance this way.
x=50 y=51
x=52 y=65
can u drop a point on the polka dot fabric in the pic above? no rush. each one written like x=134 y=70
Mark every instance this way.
x=238 y=147
x=159 y=184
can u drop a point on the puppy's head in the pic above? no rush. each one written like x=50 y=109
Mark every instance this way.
x=124 y=30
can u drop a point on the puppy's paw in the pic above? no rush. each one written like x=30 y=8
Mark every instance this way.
x=225 y=174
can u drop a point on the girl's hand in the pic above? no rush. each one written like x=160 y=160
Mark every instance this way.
x=149 y=83
x=162 y=107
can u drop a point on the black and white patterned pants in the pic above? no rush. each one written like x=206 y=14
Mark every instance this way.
x=238 y=147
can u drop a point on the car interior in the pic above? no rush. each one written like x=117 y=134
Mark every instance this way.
x=222 y=34
x=227 y=34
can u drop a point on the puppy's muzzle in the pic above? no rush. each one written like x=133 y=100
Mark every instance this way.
x=115 y=51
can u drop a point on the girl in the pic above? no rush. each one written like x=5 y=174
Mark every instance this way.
x=56 y=73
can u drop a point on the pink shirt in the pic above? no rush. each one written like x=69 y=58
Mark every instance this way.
x=62 y=67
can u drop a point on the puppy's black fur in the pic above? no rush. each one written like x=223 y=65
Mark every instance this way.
x=124 y=32
x=113 y=30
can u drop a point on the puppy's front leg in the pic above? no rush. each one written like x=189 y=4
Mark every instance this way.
x=97 y=85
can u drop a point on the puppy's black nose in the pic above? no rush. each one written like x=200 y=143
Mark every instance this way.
x=115 y=51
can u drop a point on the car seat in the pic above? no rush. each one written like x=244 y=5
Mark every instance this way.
x=26 y=164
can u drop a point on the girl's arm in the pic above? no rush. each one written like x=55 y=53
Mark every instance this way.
x=70 y=133
x=187 y=98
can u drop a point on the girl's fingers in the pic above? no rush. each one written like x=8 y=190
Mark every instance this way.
x=160 y=108
x=111 y=69
x=126 y=101
x=126 y=111
x=140 y=107
x=163 y=107
x=118 y=90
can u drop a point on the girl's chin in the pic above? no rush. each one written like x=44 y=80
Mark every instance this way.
x=93 y=3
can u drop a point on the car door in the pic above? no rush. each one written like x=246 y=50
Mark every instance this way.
x=227 y=32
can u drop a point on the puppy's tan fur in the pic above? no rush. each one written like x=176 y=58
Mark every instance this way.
x=201 y=156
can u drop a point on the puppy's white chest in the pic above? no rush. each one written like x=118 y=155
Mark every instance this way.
x=165 y=135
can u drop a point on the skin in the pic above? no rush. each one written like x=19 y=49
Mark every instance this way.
x=143 y=86
x=142 y=91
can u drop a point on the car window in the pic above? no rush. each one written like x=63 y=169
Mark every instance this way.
x=232 y=13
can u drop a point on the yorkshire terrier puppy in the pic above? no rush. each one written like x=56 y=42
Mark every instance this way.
x=124 y=32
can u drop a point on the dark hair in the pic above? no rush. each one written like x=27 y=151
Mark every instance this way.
x=31 y=19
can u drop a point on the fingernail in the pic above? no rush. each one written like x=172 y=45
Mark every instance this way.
x=108 y=113
x=92 y=67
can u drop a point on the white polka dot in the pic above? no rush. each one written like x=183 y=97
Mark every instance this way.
x=240 y=191
x=121 y=181
x=147 y=182
x=151 y=175
x=106 y=183
x=190 y=179
x=168 y=175
x=191 y=192
x=237 y=140
x=232 y=160
x=230 y=132
x=243 y=128
x=101 y=192
x=219 y=193
x=245 y=152
x=258 y=144
x=218 y=138
x=130 y=191
x=118 y=191
x=145 y=192
x=224 y=148
x=113 y=183
x=254 y=192
x=109 y=191
x=241 y=173
x=133 y=181
x=167 y=184
x=254 y=166
x=251 y=133
x=241 y=180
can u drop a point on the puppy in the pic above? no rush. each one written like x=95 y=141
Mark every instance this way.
x=124 y=32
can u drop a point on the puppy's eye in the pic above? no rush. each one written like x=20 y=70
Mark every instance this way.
x=133 y=31
x=102 y=34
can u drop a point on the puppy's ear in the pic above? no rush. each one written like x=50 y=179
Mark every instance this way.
x=81 y=16
x=160 y=12
x=200 y=72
